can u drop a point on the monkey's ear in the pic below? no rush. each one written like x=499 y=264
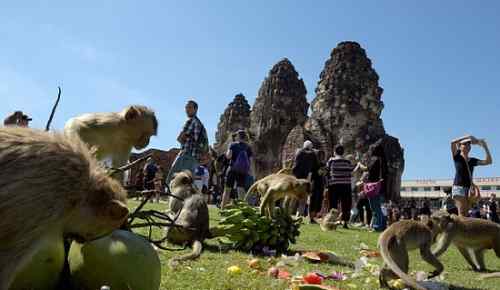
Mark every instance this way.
x=131 y=113
x=117 y=210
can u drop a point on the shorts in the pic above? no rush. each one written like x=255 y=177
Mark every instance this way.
x=458 y=190
x=235 y=177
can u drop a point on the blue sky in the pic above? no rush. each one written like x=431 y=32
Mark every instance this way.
x=438 y=61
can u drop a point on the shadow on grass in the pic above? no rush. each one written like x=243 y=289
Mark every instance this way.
x=452 y=287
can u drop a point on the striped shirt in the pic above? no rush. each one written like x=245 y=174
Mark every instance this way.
x=340 y=171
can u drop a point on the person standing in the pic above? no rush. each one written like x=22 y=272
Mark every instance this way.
x=149 y=170
x=238 y=154
x=318 y=186
x=373 y=176
x=448 y=203
x=158 y=182
x=464 y=169
x=201 y=178
x=194 y=143
x=18 y=118
x=306 y=161
x=493 y=208
x=339 y=183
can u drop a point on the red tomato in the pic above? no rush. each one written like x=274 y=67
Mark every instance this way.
x=312 y=278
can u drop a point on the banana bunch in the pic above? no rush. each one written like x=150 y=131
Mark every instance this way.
x=242 y=227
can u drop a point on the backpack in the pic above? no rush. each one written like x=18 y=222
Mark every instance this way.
x=242 y=163
x=203 y=140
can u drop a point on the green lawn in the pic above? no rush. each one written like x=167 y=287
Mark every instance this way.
x=210 y=271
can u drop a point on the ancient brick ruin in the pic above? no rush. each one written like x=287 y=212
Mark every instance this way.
x=346 y=110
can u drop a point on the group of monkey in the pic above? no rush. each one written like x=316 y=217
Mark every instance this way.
x=471 y=236
x=52 y=185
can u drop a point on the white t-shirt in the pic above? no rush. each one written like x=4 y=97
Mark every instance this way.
x=201 y=177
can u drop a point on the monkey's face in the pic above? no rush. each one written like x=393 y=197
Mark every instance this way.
x=103 y=211
x=146 y=128
x=89 y=223
x=181 y=179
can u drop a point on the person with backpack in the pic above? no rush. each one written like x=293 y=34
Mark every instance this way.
x=238 y=154
x=194 y=143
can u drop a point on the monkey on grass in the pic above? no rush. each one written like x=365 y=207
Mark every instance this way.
x=471 y=236
x=51 y=187
x=397 y=240
x=115 y=134
x=330 y=221
x=191 y=211
x=279 y=186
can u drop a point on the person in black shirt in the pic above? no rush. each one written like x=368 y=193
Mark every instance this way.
x=305 y=164
x=493 y=209
x=464 y=169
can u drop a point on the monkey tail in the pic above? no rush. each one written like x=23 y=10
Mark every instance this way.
x=47 y=127
x=385 y=240
x=251 y=190
x=197 y=248
x=490 y=275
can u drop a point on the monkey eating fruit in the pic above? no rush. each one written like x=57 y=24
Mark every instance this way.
x=279 y=186
x=51 y=186
x=397 y=240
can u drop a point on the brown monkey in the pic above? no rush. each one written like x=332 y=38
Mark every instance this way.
x=471 y=236
x=114 y=134
x=194 y=221
x=330 y=221
x=51 y=185
x=182 y=187
x=397 y=240
x=276 y=187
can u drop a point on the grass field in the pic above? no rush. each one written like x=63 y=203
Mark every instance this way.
x=210 y=271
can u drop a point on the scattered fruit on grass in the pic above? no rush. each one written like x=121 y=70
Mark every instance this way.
x=312 y=278
x=254 y=263
x=233 y=270
x=397 y=284
x=273 y=272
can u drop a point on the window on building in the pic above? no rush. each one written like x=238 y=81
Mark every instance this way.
x=403 y=188
x=427 y=188
x=498 y=187
x=414 y=189
x=485 y=187
x=437 y=188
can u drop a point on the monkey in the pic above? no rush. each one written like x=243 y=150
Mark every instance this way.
x=329 y=221
x=181 y=187
x=193 y=220
x=471 y=236
x=397 y=240
x=51 y=186
x=115 y=134
x=276 y=187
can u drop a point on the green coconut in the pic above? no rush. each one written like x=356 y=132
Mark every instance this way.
x=45 y=267
x=122 y=261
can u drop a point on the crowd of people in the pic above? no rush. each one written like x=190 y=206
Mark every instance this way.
x=336 y=181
